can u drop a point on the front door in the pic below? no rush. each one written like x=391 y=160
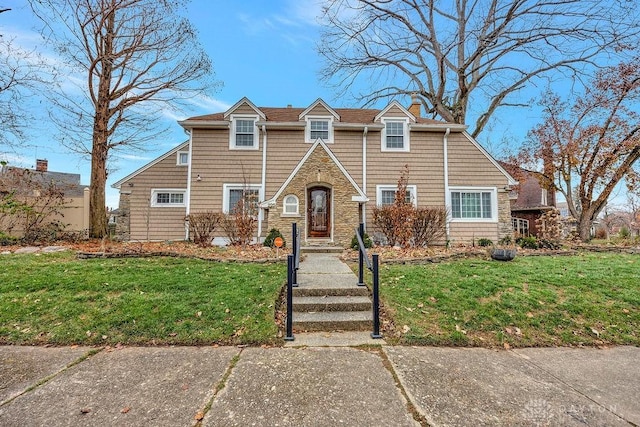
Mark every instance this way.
x=318 y=212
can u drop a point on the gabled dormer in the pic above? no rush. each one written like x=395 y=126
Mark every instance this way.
x=319 y=118
x=395 y=135
x=243 y=130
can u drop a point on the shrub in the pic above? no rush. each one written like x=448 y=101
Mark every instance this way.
x=485 y=242
x=429 y=225
x=601 y=233
x=202 y=225
x=527 y=242
x=506 y=241
x=624 y=233
x=368 y=243
x=241 y=223
x=7 y=240
x=548 y=244
x=273 y=233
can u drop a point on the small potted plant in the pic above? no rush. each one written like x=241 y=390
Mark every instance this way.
x=506 y=251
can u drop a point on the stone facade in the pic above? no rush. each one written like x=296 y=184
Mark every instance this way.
x=504 y=215
x=319 y=170
x=123 y=226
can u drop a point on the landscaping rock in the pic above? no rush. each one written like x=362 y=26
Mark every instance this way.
x=51 y=249
x=27 y=250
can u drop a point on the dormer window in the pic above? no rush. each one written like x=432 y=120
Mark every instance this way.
x=395 y=135
x=319 y=128
x=244 y=133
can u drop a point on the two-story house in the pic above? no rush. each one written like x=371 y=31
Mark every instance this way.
x=322 y=167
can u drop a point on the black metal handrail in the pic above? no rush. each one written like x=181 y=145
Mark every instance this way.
x=372 y=265
x=293 y=264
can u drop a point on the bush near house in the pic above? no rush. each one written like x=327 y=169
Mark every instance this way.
x=402 y=224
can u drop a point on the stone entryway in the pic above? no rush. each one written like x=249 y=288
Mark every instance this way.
x=319 y=211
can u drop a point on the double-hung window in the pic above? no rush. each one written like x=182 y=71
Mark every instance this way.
x=319 y=128
x=241 y=197
x=395 y=135
x=168 y=198
x=386 y=194
x=244 y=134
x=470 y=204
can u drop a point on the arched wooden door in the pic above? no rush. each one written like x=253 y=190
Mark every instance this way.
x=319 y=211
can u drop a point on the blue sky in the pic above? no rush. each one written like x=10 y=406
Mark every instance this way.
x=264 y=50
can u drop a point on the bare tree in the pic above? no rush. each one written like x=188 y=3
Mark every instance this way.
x=135 y=57
x=467 y=53
x=23 y=72
x=589 y=147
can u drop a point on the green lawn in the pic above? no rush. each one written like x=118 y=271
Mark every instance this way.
x=58 y=299
x=590 y=299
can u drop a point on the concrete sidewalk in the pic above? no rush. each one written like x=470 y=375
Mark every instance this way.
x=318 y=386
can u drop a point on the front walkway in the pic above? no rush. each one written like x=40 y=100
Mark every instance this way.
x=399 y=386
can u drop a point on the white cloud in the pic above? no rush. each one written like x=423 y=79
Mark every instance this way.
x=16 y=159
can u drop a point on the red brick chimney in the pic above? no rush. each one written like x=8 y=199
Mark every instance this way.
x=42 y=165
x=415 y=106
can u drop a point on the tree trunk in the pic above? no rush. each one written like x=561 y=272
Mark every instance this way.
x=585 y=222
x=97 y=209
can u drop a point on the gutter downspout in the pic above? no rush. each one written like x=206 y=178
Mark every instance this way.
x=364 y=174
x=447 y=194
x=263 y=180
x=188 y=209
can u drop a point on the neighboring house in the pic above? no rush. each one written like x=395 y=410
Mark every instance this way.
x=74 y=214
x=529 y=201
x=322 y=167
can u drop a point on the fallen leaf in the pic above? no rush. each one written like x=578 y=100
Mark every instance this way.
x=518 y=331
x=433 y=299
x=85 y=410
x=199 y=314
x=420 y=305
x=595 y=331
x=624 y=310
x=405 y=329
x=507 y=346
x=199 y=416
x=227 y=310
x=125 y=410
x=508 y=330
x=529 y=315
x=459 y=329
x=409 y=309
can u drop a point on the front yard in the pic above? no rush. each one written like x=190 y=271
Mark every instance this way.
x=58 y=299
x=589 y=298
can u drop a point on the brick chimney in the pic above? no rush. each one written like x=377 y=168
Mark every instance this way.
x=415 y=106
x=42 y=165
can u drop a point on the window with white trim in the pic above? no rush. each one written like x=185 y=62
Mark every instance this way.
x=319 y=127
x=386 y=194
x=241 y=196
x=290 y=205
x=471 y=204
x=244 y=133
x=168 y=198
x=182 y=158
x=395 y=135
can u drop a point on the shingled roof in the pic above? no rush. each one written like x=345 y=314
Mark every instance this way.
x=291 y=114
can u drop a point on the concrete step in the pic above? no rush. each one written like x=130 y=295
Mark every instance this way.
x=317 y=291
x=333 y=321
x=331 y=303
x=324 y=249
